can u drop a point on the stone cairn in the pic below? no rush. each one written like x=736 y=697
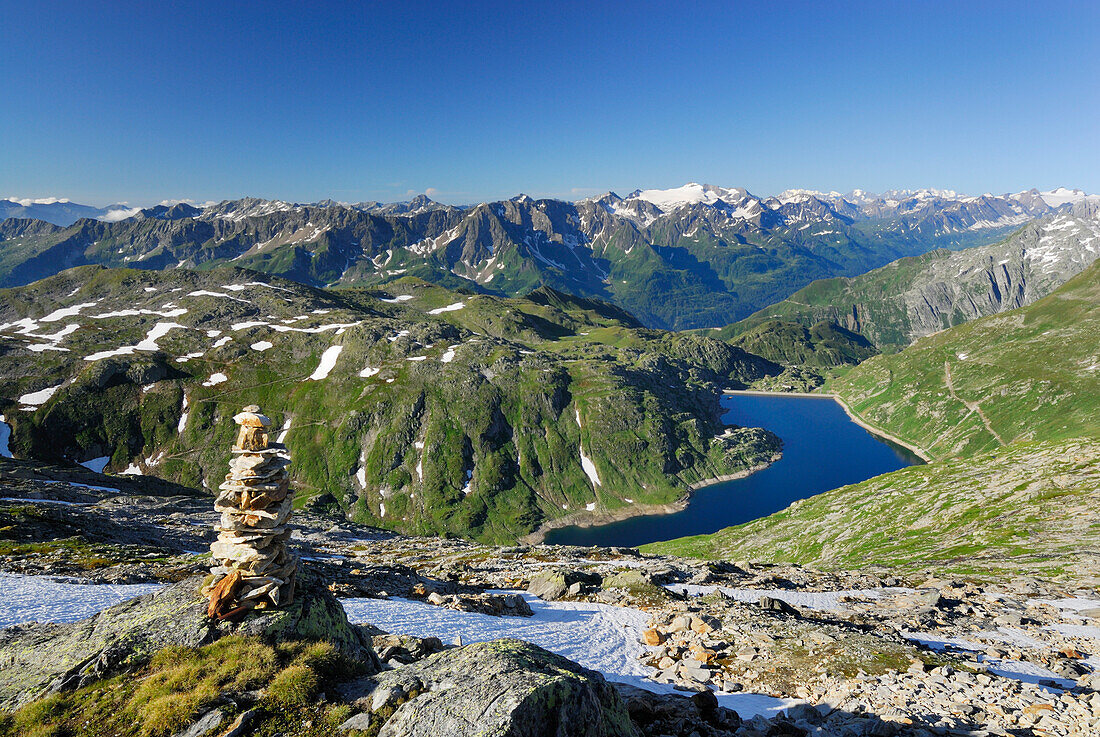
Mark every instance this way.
x=252 y=568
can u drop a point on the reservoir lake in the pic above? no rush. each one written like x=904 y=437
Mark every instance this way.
x=822 y=449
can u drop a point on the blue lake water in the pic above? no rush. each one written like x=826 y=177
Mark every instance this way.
x=822 y=450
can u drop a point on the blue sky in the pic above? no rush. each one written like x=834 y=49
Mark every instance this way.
x=140 y=102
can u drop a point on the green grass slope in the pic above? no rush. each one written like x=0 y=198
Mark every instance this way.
x=868 y=302
x=443 y=412
x=791 y=344
x=1029 y=509
x=1029 y=374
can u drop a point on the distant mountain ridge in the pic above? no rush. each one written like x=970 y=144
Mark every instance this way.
x=693 y=256
x=918 y=296
x=61 y=211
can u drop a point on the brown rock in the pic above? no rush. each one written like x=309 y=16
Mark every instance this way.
x=222 y=596
x=700 y=627
x=702 y=654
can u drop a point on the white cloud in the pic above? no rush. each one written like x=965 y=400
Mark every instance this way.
x=187 y=201
x=27 y=202
x=431 y=191
x=114 y=216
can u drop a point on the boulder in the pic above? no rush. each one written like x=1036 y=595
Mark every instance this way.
x=669 y=714
x=778 y=605
x=503 y=687
x=638 y=583
x=37 y=659
x=555 y=584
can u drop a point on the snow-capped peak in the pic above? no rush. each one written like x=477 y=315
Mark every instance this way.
x=689 y=194
x=1062 y=195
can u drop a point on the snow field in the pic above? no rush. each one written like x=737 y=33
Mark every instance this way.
x=328 y=361
x=215 y=379
x=449 y=308
x=40 y=397
x=46 y=599
x=597 y=636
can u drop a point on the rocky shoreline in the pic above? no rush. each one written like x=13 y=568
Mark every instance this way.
x=596 y=518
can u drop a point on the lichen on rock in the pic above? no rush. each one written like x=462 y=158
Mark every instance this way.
x=38 y=659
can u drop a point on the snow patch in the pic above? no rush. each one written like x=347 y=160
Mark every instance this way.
x=215 y=379
x=64 y=312
x=368 y=372
x=50 y=599
x=40 y=397
x=449 y=308
x=183 y=416
x=283 y=431
x=157 y=332
x=207 y=293
x=286 y=329
x=829 y=601
x=97 y=464
x=262 y=345
x=328 y=360
x=597 y=636
x=589 y=468
x=170 y=312
x=5 y=436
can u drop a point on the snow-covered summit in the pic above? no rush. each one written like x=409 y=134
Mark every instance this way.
x=690 y=194
x=1062 y=195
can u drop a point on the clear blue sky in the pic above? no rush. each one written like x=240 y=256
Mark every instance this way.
x=140 y=102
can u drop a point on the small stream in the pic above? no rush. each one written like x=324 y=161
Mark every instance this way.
x=822 y=450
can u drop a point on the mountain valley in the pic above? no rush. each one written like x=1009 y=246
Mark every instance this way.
x=694 y=256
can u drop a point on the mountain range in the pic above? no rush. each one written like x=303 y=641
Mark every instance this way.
x=61 y=211
x=920 y=295
x=693 y=256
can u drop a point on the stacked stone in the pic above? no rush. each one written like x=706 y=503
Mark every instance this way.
x=253 y=569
